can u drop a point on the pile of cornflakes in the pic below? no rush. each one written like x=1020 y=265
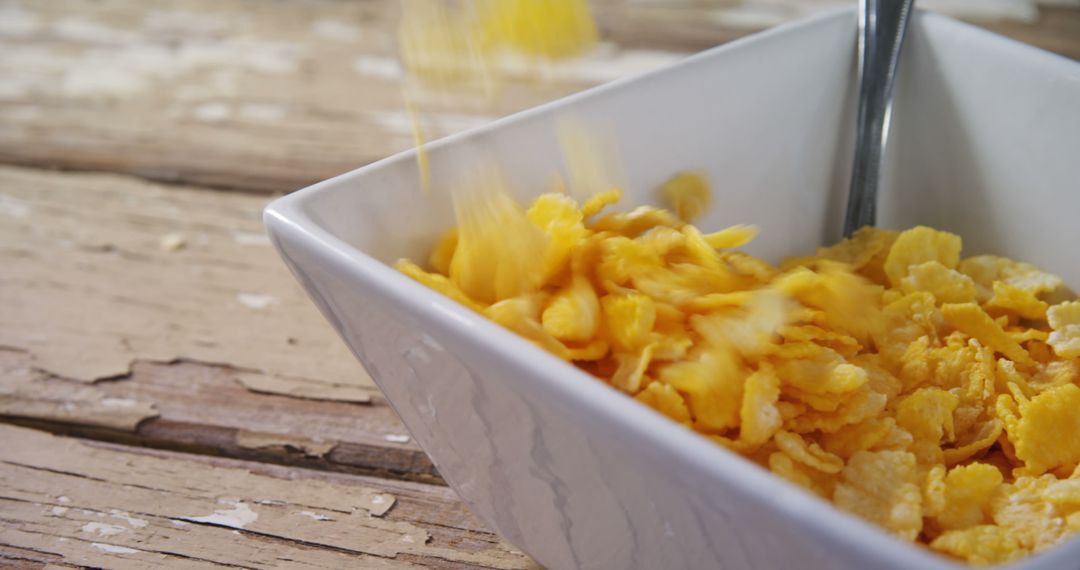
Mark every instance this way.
x=934 y=396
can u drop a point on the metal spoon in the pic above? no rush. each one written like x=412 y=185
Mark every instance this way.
x=883 y=25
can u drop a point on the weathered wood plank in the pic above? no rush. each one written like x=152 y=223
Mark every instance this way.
x=71 y=502
x=274 y=95
x=88 y=292
x=100 y=271
x=202 y=408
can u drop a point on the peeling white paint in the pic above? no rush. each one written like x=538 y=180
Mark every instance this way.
x=63 y=499
x=57 y=511
x=16 y=22
x=408 y=538
x=263 y=112
x=188 y=23
x=177 y=523
x=315 y=516
x=119 y=403
x=255 y=300
x=211 y=112
x=250 y=238
x=126 y=517
x=172 y=242
x=396 y=438
x=235 y=517
x=335 y=30
x=378 y=499
x=113 y=549
x=82 y=30
x=89 y=80
x=375 y=66
x=13 y=207
x=102 y=529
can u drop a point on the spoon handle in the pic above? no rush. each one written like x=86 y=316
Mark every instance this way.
x=882 y=27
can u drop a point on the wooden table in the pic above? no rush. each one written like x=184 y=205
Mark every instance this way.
x=168 y=396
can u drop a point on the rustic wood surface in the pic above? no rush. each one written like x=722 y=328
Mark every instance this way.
x=168 y=396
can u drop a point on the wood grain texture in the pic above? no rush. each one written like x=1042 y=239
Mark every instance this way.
x=273 y=95
x=202 y=408
x=65 y=501
x=103 y=270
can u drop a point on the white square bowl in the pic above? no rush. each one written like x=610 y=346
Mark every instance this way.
x=986 y=144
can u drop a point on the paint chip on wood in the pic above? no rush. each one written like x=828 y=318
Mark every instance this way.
x=114 y=549
x=255 y=301
x=172 y=242
x=261 y=440
x=102 y=529
x=302 y=388
x=236 y=517
x=250 y=238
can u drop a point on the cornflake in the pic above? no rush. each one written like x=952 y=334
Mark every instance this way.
x=931 y=395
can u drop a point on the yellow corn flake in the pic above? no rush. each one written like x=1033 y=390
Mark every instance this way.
x=850 y=304
x=636 y=222
x=631 y=370
x=1021 y=302
x=1064 y=492
x=552 y=28
x=444 y=252
x=756 y=271
x=1039 y=435
x=933 y=397
x=599 y=201
x=522 y=316
x=573 y=314
x=670 y=343
x=981 y=545
x=811 y=454
x=985 y=270
x=594 y=350
x=1054 y=374
x=973 y=442
x=1020 y=336
x=860 y=406
x=664 y=399
x=968 y=492
x=751 y=332
x=715 y=301
x=558 y=217
x=972 y=320
x=713 y=387
x=497 y=247
x=822 y=376
x=863 y=436
x=1022 y=510
x=819 y=483
x=629 y=319
x=934 y=491
x=883 y=487
x=919 y=245
x=927 y=414
x=437 y=282
x=946 y=285
x=866 y=251
x=1065 y=320
x=759 y=416
x=732 y=237
x=688 y=194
